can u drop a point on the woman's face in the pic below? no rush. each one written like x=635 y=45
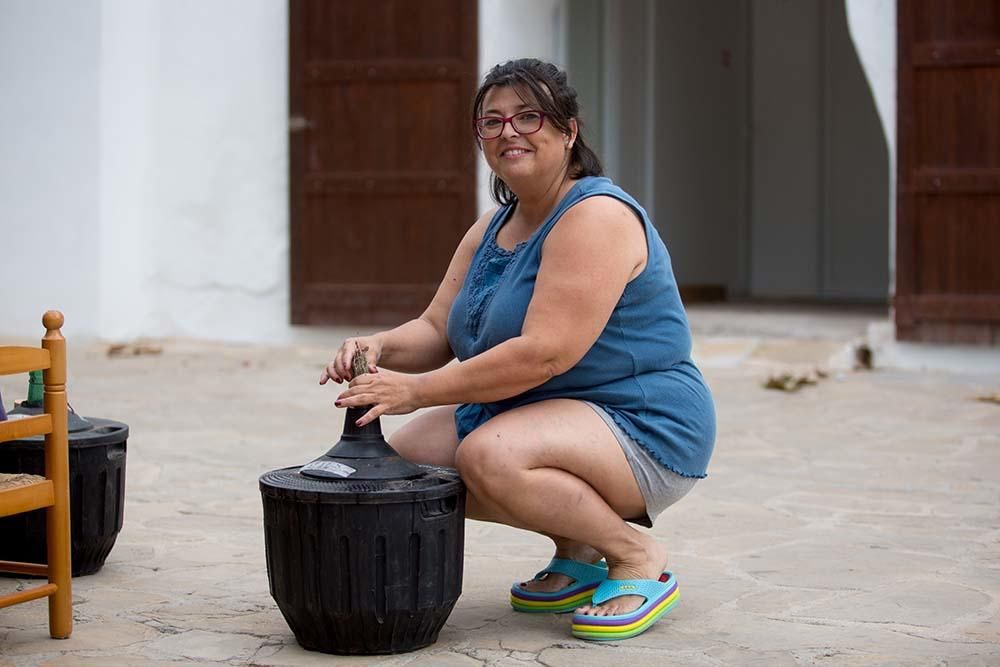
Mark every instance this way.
x=522 y=158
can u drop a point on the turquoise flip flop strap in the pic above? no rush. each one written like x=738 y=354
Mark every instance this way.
x=616 y=588
x=580 y=572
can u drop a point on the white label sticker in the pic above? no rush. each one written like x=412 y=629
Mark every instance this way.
x=338 y=469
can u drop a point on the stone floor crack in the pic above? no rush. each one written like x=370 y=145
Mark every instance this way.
x=251 y=661
x=468 y=652
x=967 y=642
x=159 y=626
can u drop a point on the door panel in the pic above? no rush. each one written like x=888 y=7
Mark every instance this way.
x=948 y=213
x=382 y=160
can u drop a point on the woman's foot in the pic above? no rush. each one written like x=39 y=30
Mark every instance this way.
x=552 y=581
x=647 y=561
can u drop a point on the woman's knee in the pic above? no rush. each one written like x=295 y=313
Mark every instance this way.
x=484 y=462
x=467 y=461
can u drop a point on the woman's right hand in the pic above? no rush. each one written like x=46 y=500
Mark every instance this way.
x=339 y=368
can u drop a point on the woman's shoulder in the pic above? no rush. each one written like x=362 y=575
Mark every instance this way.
x=603 y=211
x=599 y=226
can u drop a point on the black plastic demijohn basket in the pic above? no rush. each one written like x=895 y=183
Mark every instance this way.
x=364 y=549
x=97 y=450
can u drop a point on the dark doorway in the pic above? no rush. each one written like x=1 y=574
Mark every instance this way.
x=750 y=132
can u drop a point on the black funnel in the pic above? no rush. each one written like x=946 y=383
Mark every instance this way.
x=361 y=453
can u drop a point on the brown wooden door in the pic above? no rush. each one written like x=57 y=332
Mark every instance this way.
x=948 y=216
x=382 y=159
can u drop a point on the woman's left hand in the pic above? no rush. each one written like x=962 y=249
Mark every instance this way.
x=388 y=393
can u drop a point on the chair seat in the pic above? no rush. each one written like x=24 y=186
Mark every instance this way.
x=12 y=480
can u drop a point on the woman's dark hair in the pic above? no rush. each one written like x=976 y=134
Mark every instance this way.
x=542 y=85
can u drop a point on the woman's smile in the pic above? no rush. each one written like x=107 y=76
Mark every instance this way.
x=514 y=152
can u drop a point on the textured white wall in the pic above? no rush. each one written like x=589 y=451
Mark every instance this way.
x=129 y=42
x=49 y=62
x=220 y=229
x=147 y=140
x=194 y=169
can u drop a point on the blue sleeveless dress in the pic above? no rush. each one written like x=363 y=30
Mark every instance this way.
x=639 y=370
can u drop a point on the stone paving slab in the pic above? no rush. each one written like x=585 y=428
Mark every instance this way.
x=854 y=522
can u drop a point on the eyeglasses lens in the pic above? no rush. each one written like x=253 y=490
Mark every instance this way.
x=526 y=122
x=489 y=128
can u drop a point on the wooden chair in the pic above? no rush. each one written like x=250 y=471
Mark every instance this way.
x=23 y=493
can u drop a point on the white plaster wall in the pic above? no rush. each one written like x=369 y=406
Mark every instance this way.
x=147 y=141
x=873 y=30
x=219 y=233
x=194 y=169
x=49 y=63
x=129 y=43
x=510 y=29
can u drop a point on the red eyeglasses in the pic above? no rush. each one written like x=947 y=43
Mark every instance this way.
x=524 y=122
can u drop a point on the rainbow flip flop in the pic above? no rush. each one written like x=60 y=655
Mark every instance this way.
x=661 y=596
x=586 y=579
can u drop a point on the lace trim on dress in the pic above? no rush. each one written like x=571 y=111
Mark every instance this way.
x=481 y=293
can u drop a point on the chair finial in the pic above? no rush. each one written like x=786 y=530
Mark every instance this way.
x=52 y=320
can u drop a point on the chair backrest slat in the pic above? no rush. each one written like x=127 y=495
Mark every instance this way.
x=15 y=429
x=14 y=359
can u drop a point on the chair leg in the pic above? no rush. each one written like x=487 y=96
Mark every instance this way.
x=60 y=571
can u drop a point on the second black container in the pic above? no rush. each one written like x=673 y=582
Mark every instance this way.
x=97 y=449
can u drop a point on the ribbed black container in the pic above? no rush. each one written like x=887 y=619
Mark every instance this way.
x=97 y=494
x=364 y=566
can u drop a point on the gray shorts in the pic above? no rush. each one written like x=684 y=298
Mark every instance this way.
x=660 y=487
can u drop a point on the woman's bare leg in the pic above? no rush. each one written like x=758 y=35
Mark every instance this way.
x=431 y=438
x=555 y=468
